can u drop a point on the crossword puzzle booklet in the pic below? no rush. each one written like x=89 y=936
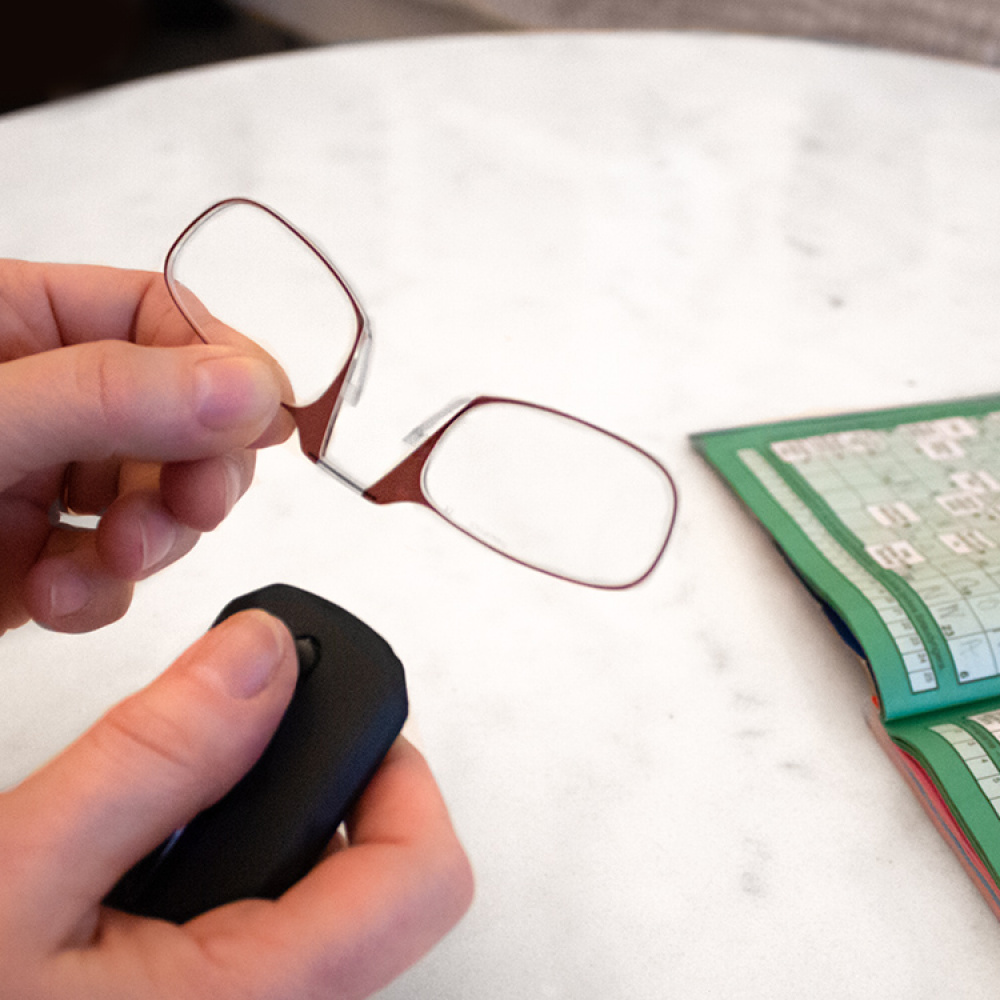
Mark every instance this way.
x=892 y=519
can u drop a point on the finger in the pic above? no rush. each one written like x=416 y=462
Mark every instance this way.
x=63 y=304
x=401 y=885
x=156 y=759
x=83 y=579
x=200 y=494
x=68 y=589
x=95 y=401
x=24 y=529
x=55 y=305
x=139 y=536
x=152 y=526
x=214 y=331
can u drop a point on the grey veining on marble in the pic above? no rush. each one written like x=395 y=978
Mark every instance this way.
x=669 y=792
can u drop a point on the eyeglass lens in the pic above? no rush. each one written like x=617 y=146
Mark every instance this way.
x=552 y=492
x=244 y=267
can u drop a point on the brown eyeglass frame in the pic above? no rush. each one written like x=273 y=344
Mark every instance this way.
x=404 y=483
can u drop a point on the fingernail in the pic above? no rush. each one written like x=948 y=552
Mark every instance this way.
x=157 y=536
x=249 y=648
x=233 y=473
x=234 y=389
x=68 y=594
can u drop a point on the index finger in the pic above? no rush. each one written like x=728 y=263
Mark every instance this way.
x=59 y=305
x=55 y=305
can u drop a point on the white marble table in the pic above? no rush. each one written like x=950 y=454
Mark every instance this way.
x=669 y=792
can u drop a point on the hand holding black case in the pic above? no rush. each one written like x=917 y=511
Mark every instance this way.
x=273 y=826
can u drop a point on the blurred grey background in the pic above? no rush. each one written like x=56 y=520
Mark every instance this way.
x=54 y=48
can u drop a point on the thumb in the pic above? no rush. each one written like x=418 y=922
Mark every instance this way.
x=112 y=398
x=70 y=831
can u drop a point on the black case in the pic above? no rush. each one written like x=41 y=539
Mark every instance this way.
x=273 y=826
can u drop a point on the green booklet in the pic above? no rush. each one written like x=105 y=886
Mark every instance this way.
x=892 y=519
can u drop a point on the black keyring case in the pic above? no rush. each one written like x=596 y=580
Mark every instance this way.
x=273 y=826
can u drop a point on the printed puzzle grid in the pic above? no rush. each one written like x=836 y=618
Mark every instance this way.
x=916 y=660
x=974 y=755
x=924 y=500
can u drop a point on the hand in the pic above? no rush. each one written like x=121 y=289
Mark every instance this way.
x=111 y=405
x=363 y=914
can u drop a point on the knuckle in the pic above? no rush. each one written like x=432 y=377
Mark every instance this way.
x=99 y=381
x=138 y=734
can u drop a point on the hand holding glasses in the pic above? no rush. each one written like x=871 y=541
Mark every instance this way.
x=545 y=489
